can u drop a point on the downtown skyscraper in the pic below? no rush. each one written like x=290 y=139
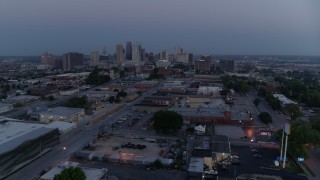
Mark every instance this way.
x=136 y=52
x=129 y=50
x=119 y=54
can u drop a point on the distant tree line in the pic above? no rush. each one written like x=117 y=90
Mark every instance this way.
x=95 y=78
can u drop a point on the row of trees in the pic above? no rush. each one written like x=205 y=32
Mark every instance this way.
x=95 y=78
x=301 y=135
x=301 y=86
x=155 y=75
x=116 y=99
x=80 y=102
x=239 y=84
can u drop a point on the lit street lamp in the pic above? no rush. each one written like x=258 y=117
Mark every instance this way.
x=65 y=153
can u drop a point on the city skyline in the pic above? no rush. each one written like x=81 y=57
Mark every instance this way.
x=206 y=27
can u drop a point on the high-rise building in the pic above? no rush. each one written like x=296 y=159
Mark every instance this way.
x=177 y=52
x=119 y=54
x=163 y=55
x=182 y=58
x=202 y=65
x=206 y=57
x=94 y=58
x=226 y=65
x=48 y=59
x=190 y=58
x=129 y=50
x=136 y=52
x=104 y=57
x=143 y=54
x=72 y=60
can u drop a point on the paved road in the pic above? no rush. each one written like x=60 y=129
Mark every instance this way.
x=73 y=143
x=278 y=119
x=134 y=172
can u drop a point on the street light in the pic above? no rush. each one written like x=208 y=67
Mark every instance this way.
x=65 y=153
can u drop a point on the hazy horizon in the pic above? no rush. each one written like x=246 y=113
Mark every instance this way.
x=229 y=27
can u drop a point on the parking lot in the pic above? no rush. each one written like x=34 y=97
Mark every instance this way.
x=113 y=145
x=133 y=120
x=256 y=161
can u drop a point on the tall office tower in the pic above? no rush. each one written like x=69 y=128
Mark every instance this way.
x=143 y=54
x=150 y=57
x=119 y=54
x=136 y=52
x=45 y=58
x=48 y=59
x=206 y=57
x=202 y=65
x=182 y=58
x=163 y=55
x=226 y=65
x=129 y=50
x=72 y=60
x=177 y=52
x=94 y=58
x=104 y=57
x=190 y=58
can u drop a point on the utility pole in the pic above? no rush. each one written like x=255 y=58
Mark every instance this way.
x=287 y=131
x=281 y=144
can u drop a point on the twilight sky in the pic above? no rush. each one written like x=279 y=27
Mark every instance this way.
x=231 y=27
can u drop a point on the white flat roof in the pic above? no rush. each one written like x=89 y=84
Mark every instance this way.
x=14 y=133
x=4 y=105
x=10 y=130
x=62 y=111
x=196 y=165
x=284 y=100
x=62 y=126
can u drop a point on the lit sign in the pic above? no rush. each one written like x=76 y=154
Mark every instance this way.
x=300 y=159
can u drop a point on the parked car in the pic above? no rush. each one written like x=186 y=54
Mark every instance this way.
x=254 y=150
x=257 y=155
x=235 y=161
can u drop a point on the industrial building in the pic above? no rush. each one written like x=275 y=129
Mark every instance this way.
x=66 y=114
x=22 y=142
x=4 y=107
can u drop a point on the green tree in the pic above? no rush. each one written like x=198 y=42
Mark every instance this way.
x=71 y=173
x=139 y=92
x=315 y=122
x=51 y=98
x=166 y=121
x=265 y=117
x=256 y=101
x=224 y=92
x=95 y=78
x=111 y=99
x=80 y=102
x=302 y=134
x=293 y=110
x=121 y=94
x=157 y=164
x=262 y=92
x=155 y=74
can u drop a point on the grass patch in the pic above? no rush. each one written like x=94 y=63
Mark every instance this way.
x=293 y=167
